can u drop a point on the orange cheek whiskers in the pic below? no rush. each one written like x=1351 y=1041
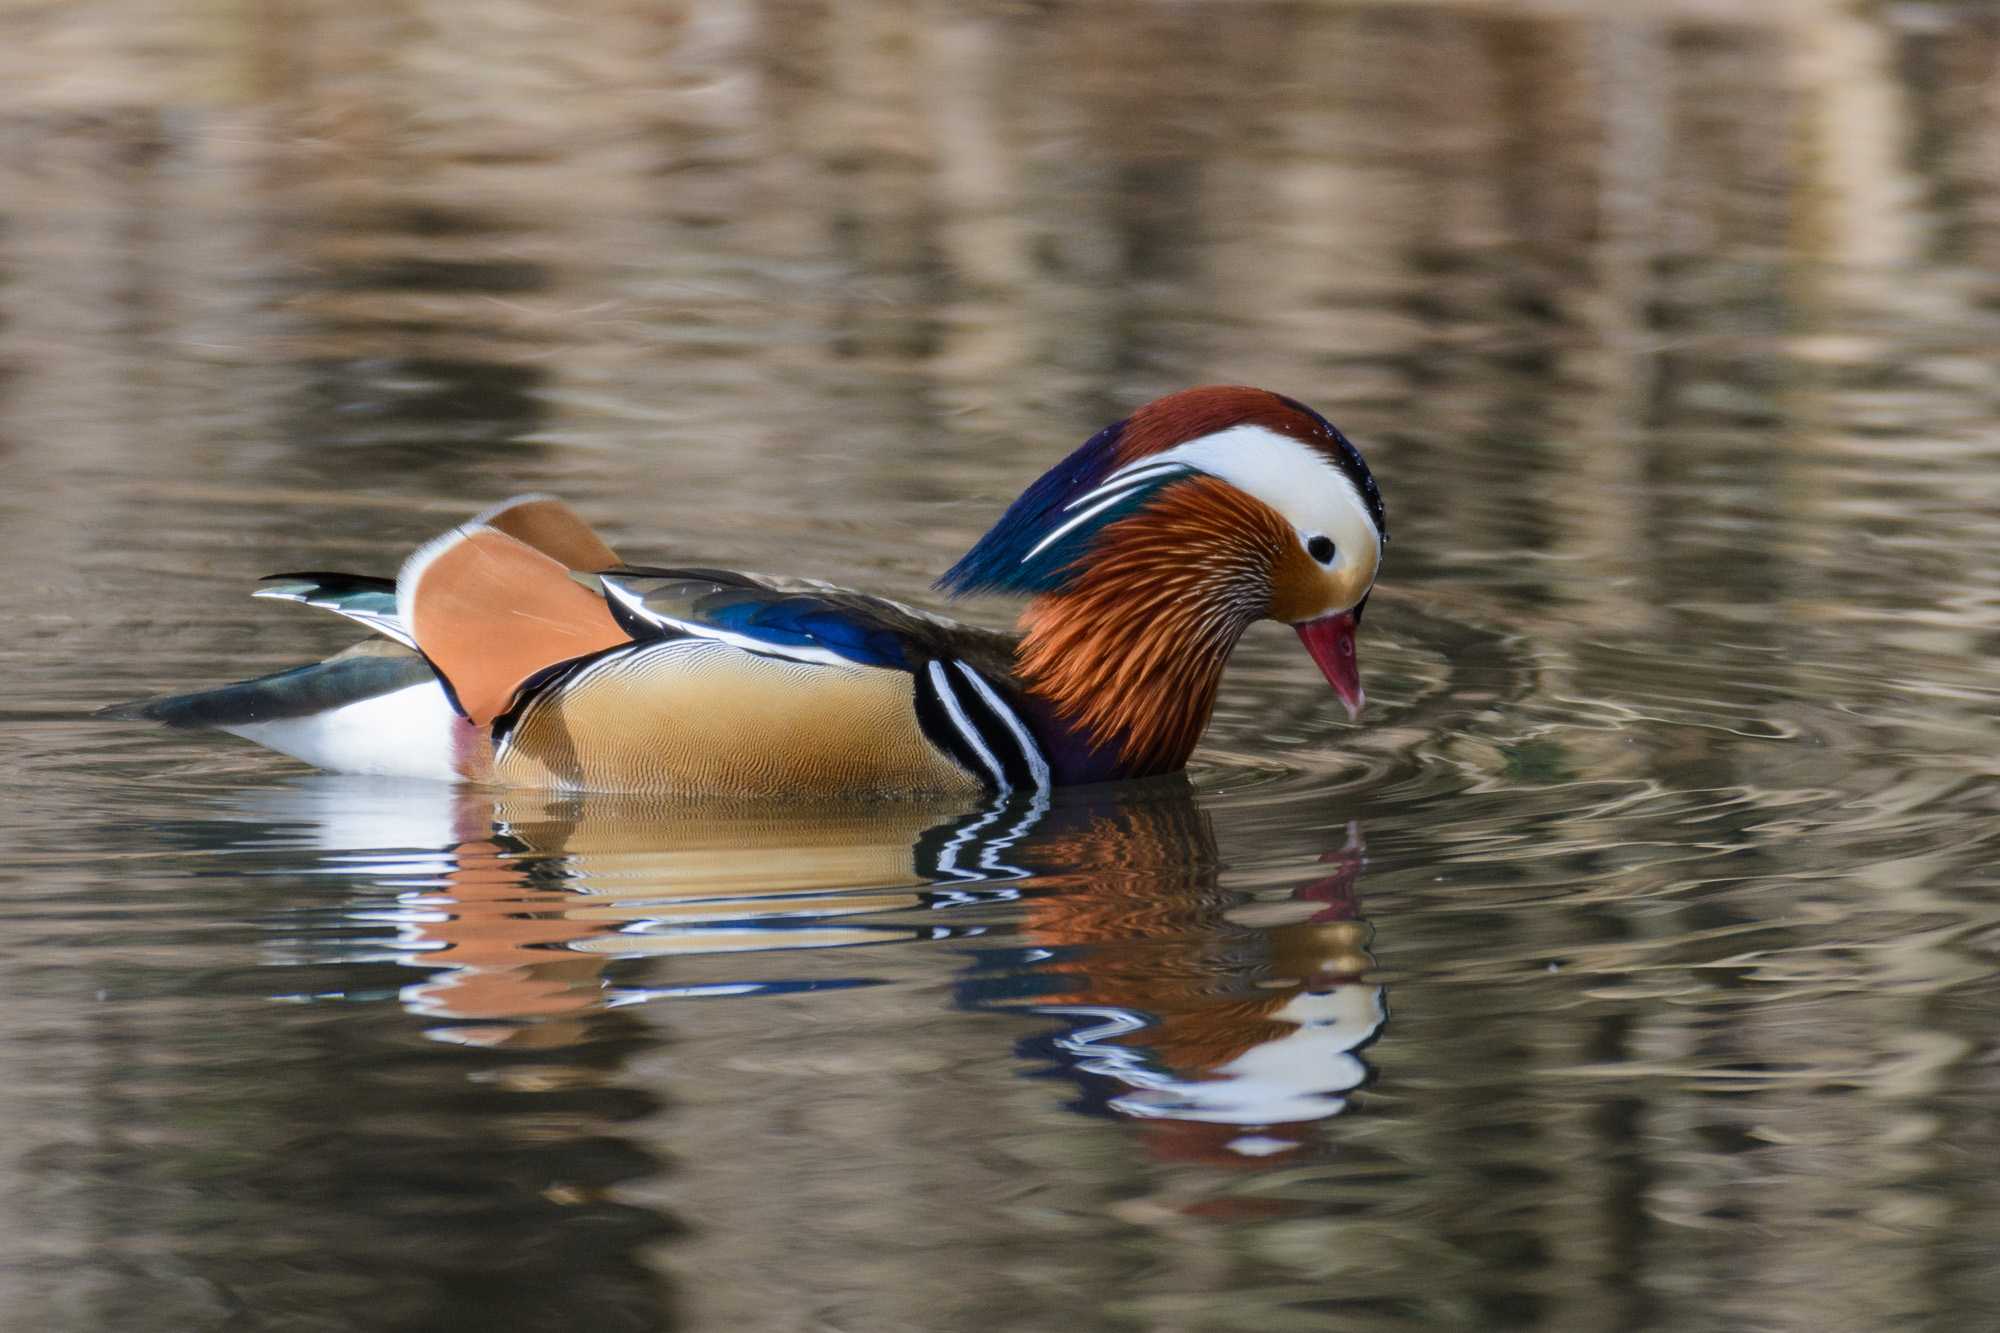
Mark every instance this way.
x=1131 y=649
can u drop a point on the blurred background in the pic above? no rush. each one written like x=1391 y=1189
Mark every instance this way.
x=1630 y=966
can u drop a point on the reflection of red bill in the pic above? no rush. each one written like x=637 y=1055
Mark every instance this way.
x=1330 y=640
x=1337 y=890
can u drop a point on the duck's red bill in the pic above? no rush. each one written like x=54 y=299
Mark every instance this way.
x=1330 y=640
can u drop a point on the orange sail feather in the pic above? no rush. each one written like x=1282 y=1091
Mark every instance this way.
x=490 y=611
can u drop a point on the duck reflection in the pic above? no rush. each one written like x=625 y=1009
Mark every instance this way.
x=533 y=913
x=1227 y=1021
x=1228 y=1025
x=516 y=905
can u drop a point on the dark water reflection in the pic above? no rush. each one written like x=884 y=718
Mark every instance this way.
x=1669 y=837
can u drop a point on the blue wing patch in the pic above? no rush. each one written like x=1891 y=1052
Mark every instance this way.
x=803 y=626
x=793 y=621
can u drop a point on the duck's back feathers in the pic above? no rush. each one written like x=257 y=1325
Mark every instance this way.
x=539 y=521
x=803 y=620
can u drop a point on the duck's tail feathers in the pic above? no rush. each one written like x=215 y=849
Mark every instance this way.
x=363 y=672
x=479 y=611
x=375 y=708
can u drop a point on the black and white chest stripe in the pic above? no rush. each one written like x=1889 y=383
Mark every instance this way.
x=964 y=716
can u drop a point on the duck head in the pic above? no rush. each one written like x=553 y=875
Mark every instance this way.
x=1149 y=550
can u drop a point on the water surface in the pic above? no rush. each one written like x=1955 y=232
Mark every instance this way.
x=1631 y=965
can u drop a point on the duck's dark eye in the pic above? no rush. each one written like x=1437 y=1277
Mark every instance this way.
x=1320 y=549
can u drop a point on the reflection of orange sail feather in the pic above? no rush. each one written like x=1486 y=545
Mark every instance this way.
x=497 y=948
x=525 y=924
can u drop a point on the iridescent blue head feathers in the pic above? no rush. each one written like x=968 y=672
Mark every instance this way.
x=1042 y=534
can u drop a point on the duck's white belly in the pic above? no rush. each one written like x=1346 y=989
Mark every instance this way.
x=408 y=733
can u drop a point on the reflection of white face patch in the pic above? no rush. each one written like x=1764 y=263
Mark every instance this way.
x=1309 y=491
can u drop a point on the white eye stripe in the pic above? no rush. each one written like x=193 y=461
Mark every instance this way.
x=1293 y=478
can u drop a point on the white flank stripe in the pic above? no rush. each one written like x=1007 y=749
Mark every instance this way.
x=942 y=685
x=947 y=861
x=1038 y=766
x=790 y=652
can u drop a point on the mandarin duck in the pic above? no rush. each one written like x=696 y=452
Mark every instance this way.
x=518 y=650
